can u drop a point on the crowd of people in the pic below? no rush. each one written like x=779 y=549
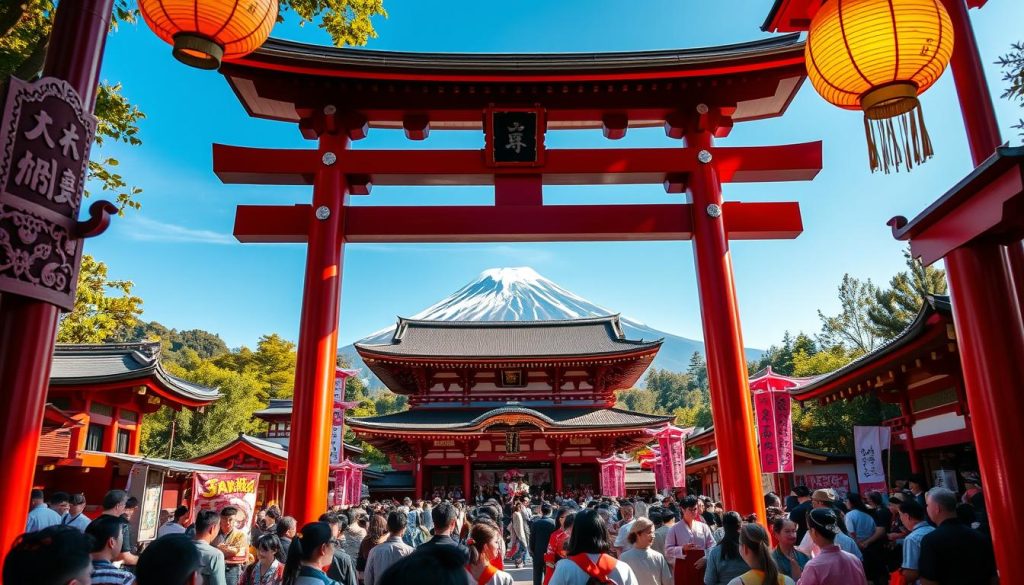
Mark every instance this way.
x=815 y=538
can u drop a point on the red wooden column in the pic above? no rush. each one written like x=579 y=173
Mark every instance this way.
x=558 y=447
x=987 y=313
x=467 y=479
x=28 y=327
x=908 y=414
x=417 y=470
x=731 y=407
x=978 y=113
x=305 y=491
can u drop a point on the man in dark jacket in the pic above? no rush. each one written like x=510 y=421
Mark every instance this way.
x=444 y=517
x=798 y=513
x=342 y=568
x=540 y=532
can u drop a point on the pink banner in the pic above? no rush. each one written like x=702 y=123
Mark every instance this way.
x=672 y=446
x=613 y=476
x=215 y=490
x=348 y=483
x=773 y=410
x=659 y=474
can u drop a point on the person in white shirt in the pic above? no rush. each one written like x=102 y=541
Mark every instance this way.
x=388 y=552
x=588 y=554
x=688 y=541
x=649 y=565
x=623 y=527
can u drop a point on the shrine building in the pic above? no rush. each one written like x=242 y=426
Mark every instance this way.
x=97 y=398
x=486 y=398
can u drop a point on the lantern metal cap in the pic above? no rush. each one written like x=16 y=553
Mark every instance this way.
x=889 y=100
x=197 y=51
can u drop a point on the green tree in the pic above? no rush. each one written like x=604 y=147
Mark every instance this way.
x=24 y=35
x=638 y=400
x=895 y=307
x=1013 y=74
x=851 y=328
x=200 y=432
x=97 y=316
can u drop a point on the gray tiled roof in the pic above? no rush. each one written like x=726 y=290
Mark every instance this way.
x=277 y=407
x=507 y=340
x=167 y=464
x=98 y=363
x=454 y=419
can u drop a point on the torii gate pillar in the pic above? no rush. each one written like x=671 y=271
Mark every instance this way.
x=305 y=490
x=731 y=408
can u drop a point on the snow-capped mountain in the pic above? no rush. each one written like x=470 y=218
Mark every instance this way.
x=521 y=294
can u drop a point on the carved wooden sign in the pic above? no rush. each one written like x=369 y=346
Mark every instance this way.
x=514 y=136
x=45 y=137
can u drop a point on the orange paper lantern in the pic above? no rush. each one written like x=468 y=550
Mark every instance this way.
x=878 y=56
x=205 y=32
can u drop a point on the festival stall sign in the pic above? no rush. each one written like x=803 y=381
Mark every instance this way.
x=216 y=490
x=146 y=483
x=338 y=422
x=839 y=482
x=868 y=444
x=672 y=446
x=613 y=476
x=348 y=483
x=773 y=411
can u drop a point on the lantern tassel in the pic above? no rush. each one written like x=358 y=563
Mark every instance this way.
x=897 y=137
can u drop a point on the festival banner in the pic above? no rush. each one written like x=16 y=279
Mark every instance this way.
x=659 y=474
x=348 y=483
x=216 y=490
x=773 y=411
x=672 y=446
x=340 y=406
x=613 y=476
x=868 y=444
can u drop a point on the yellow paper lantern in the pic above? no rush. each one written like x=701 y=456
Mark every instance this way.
x=205 y=32
x=878 y=56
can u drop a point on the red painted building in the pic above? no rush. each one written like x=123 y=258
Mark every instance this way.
x=920 y=372
x=488 y=397
x=98 y=397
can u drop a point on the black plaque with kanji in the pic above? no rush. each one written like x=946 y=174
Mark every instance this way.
x=515 y=137
x=45 y=137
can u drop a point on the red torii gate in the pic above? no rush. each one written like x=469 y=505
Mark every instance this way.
x=336 y=95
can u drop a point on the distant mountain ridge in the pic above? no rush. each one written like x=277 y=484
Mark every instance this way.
x=521 y=294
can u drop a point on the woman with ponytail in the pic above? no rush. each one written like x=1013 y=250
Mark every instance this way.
x=756 y=550
x=483 y=548
x=310 y=550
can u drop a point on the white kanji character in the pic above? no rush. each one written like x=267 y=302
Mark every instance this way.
x=69 y=141
x=43 y=177
x=515 y=137
x=43 y=121
x=26 y=168
x=68 y=187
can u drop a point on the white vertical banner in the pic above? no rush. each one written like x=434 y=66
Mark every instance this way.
x=868 y=444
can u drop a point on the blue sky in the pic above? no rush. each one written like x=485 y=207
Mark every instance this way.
x=190 y=271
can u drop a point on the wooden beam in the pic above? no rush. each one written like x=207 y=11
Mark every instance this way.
x=518 y=223
x=606 y=166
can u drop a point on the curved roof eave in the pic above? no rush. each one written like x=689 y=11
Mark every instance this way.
x=283 y=55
